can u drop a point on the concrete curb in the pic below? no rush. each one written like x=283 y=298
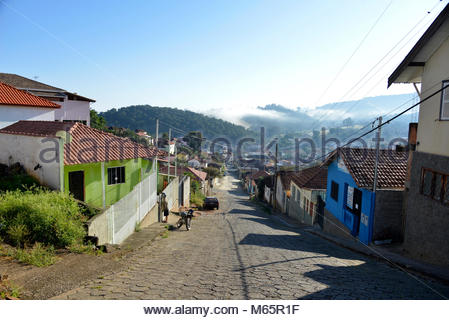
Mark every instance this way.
x=387 y=256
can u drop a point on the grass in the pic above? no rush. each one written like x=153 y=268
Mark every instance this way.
x=165 y=234
x=137 y=228
x=84 y=249
x=8 y=290
x=38 y=255
x=39 y=215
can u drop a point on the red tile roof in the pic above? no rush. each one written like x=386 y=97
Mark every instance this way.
x=258 y=174
x=15 y=97
x=85 y=144
x=360 y=163
x=311 y=178
x=199 y=174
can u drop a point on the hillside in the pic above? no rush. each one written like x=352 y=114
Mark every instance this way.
x=181 y=121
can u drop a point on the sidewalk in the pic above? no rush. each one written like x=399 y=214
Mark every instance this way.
x=379 y=252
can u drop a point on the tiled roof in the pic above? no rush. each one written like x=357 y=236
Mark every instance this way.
x=311 y=178
x=36 y=87
x=360 y=163
x=37 y=128
x=258 y=174
x=12 y=96
x=199 y=174
x=85 y=144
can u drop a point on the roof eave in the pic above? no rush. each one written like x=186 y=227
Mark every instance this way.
x=408 y=60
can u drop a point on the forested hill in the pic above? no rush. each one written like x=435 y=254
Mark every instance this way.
x=144 y=117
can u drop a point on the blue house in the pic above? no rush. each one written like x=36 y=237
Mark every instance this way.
x=352 y=208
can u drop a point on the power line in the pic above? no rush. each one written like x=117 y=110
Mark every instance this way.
x=391 y=50
x=353 y=53
x=384 y=123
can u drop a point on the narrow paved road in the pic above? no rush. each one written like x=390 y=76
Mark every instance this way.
x=240 y=252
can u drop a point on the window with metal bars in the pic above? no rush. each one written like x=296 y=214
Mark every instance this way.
x=116 y=175
x=435 y=185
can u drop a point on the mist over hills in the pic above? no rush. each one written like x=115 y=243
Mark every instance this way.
x=341 y=119
x=278 y=119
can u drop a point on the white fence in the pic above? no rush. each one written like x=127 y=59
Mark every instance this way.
x=118 y=222
x=172 y=193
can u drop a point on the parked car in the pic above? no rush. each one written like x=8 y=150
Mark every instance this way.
x=211 y=203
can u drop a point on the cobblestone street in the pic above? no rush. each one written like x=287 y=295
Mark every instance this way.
x=240 y=252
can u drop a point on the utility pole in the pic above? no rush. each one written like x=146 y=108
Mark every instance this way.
x=275 y=175
x=169 y=154
x=377 y=153
x=155 y=163
x=176 y=161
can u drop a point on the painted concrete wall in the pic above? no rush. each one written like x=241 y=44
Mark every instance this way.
x=73 y=110
x=340 y=175
x=426 y=221
x=32 y=152
x=432 y=133
x=172 y=193
x=93 y=181
x=186 y=190
x=280 y=195
x=298 y=201
x=12 y=114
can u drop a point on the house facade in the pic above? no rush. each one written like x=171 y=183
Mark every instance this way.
x=95 y=167
x=18 y=105
x=282 y=190
x=426 y=212
x=307 y=187
x=352 y=208
x=73 y=107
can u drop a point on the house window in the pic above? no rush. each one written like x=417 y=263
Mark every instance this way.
x=293 y=193
x=444 y=112
x=311 y=208
x=298 y=195
x=334 y=190
x=116 y=175
x=435 y=185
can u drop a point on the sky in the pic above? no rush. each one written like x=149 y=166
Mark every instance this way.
x=222 y=58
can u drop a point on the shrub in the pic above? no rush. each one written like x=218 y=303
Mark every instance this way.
x=197 y=198
x=38 y=256
x=51 y=218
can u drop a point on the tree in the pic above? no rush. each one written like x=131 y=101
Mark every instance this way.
x=194 y=140
x=212 y=172
x=97 y=121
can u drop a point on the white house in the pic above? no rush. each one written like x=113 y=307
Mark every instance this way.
x=426 y=219
x=306 y=187
x=18 y=105
x=73 y=106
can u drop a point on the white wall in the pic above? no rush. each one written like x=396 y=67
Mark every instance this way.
x=432 y=133
x=73 y=110
x=27 y=150
x=12 y=114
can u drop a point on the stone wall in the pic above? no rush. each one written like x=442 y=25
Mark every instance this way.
x=426 y=235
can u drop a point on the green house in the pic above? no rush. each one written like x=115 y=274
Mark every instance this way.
x=95 y=167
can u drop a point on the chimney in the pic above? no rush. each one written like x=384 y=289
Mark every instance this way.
x=412 y=139
x=412 y=135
